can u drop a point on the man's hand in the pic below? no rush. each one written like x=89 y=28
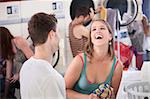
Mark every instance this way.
x=91 y=13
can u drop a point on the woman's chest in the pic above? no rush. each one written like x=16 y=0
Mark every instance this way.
x=98 y=73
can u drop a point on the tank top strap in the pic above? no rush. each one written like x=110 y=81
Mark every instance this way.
x=112 y=71
x=84 y=61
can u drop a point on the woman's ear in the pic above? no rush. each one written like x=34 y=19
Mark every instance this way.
x=110 y=37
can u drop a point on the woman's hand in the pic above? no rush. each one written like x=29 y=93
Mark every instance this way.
x=14 y=78
x=93 y=96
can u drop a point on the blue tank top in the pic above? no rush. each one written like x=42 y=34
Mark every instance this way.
x=83 y=86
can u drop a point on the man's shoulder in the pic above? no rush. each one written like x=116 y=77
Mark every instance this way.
x=30 y=60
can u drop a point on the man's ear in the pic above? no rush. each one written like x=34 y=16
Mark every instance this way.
x=81 y=17
x=51 y=34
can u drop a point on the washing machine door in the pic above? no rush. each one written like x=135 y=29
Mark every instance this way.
x=121 y=5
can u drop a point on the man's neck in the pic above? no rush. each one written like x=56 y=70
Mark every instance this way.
x=42 y=52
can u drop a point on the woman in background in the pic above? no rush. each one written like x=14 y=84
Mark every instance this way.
x=7 y=53
x=96 y=73
x=13 y=52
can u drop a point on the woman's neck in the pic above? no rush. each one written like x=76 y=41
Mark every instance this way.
x=100 y=53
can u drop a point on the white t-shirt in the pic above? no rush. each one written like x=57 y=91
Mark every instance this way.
x=38 y=80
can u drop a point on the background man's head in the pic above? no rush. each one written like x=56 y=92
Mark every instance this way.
x=82 y=11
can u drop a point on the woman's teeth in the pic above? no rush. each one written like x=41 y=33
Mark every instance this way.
x=98 y=36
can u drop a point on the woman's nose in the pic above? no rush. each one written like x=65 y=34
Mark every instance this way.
x=98 y=30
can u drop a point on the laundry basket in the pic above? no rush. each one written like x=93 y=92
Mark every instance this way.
x=138 y=90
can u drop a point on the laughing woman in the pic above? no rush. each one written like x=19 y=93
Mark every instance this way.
x=96 y=73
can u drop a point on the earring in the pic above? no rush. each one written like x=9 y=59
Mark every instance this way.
x=110 y=43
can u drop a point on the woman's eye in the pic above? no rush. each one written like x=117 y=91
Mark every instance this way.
x=102 y=28
x=93 y=29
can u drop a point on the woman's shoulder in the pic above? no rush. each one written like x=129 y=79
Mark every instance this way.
x=119 y=65
x=86 y=57
x=83 y=55
x=76 y=64
x=79 y=58
x=20 y=42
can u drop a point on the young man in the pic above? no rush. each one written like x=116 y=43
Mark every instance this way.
x=38 y=79
x=78 y=33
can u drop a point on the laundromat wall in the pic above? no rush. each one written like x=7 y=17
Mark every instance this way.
x=15 y=15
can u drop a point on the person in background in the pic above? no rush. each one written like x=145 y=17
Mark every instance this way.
x=7 y=54
x=12 y=48
x=38 y=79
x=146 y=28
x=78 y=33
x=139 y=33
x=95 y=73
x=23 y=53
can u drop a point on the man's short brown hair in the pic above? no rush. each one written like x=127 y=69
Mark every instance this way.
x=39 y=26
